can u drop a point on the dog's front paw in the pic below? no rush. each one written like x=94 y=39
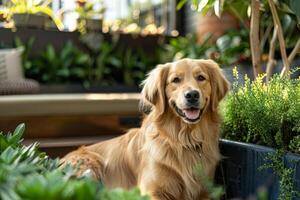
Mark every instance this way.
x=89 y=174
x=85 y=163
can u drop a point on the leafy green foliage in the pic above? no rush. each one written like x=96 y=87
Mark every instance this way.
x=30 y=7
x=215 y=192
x=237 y=8
x=68 y=65
x=295 y=144
x=263 y=114
x=285 y=174
x=27 y=173
x=11 y=139
x=232 y=47
x=109 y=64
x=184 y=47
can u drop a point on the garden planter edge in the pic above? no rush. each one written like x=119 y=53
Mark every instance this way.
x=239 y=170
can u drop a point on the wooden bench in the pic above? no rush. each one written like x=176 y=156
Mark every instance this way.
x=62 y=122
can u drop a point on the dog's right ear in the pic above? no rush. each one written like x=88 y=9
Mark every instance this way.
x=153 y=93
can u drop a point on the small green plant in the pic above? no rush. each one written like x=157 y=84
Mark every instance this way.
x=110 y=63
x=30 y=7
x=295 y=144
x=230 y=48
x=285 y=174
x=70 y=64
x=263 y=114
x=214 y=192
x=27 y=47
x=87 y=10
x=184 y=47
x=27 y=173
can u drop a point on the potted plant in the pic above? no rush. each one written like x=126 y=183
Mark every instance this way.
x=260 y=38
x=90 y=18
x=261 y=128
x=30 y=13
x=217 y=16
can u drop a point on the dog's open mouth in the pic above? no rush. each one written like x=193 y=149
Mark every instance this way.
x=191 y=114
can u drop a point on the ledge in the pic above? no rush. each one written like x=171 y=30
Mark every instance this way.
x=68 y=104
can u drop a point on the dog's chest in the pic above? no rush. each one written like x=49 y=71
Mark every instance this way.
x=185 y=163
x=189 y=161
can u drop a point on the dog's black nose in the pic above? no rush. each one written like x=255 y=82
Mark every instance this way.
x=192 y=96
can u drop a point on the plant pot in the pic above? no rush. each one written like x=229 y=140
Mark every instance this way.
x=29 y=20
x=94 y=24
x=240 y=174
x=50 y=25
x=211 y=24
x=91 y=24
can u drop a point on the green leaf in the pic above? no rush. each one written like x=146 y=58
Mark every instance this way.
x=219 y=7
x=50 y=53
x=295 y=7
x=202 y=4
x=181 y=4
x=18 y=133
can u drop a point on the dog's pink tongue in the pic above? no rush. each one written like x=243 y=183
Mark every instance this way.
x=191 y=114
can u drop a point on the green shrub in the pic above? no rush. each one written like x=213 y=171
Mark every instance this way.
x=232 y=47
x=263 y=114
x=295 y=144
x=108 y=64
x=275 y=161
x=27 y=173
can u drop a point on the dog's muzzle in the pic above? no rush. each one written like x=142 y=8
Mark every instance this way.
x=190 y=114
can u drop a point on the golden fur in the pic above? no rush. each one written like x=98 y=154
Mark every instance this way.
x=160 y=156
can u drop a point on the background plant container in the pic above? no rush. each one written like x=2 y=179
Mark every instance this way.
x=94 y=24
x=29 y=20
x=211 y=24
x=240 y=174
x=50 y=25
x=91 y=24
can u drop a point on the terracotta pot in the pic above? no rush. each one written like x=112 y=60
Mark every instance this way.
x=211 y=24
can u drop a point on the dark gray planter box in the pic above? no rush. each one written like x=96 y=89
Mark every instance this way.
x=92 y=24
x=239 y=170
x=29 y=20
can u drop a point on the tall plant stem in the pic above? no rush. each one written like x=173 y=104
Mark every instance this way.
x=254 y=37
x=286 y=65
x=271 y=60
x=294 y=51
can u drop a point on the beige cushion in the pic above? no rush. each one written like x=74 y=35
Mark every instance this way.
x=11 y=64
x=20 y=86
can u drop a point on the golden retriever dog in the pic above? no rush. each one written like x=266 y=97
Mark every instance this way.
x=180 y=131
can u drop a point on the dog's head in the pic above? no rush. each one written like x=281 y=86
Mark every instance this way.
x=187 y=87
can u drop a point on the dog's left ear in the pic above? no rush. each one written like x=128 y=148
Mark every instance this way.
x=218 y=82
x=153 y=93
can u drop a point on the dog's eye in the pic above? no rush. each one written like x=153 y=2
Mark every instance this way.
x=200 y=78
x=176 y=80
